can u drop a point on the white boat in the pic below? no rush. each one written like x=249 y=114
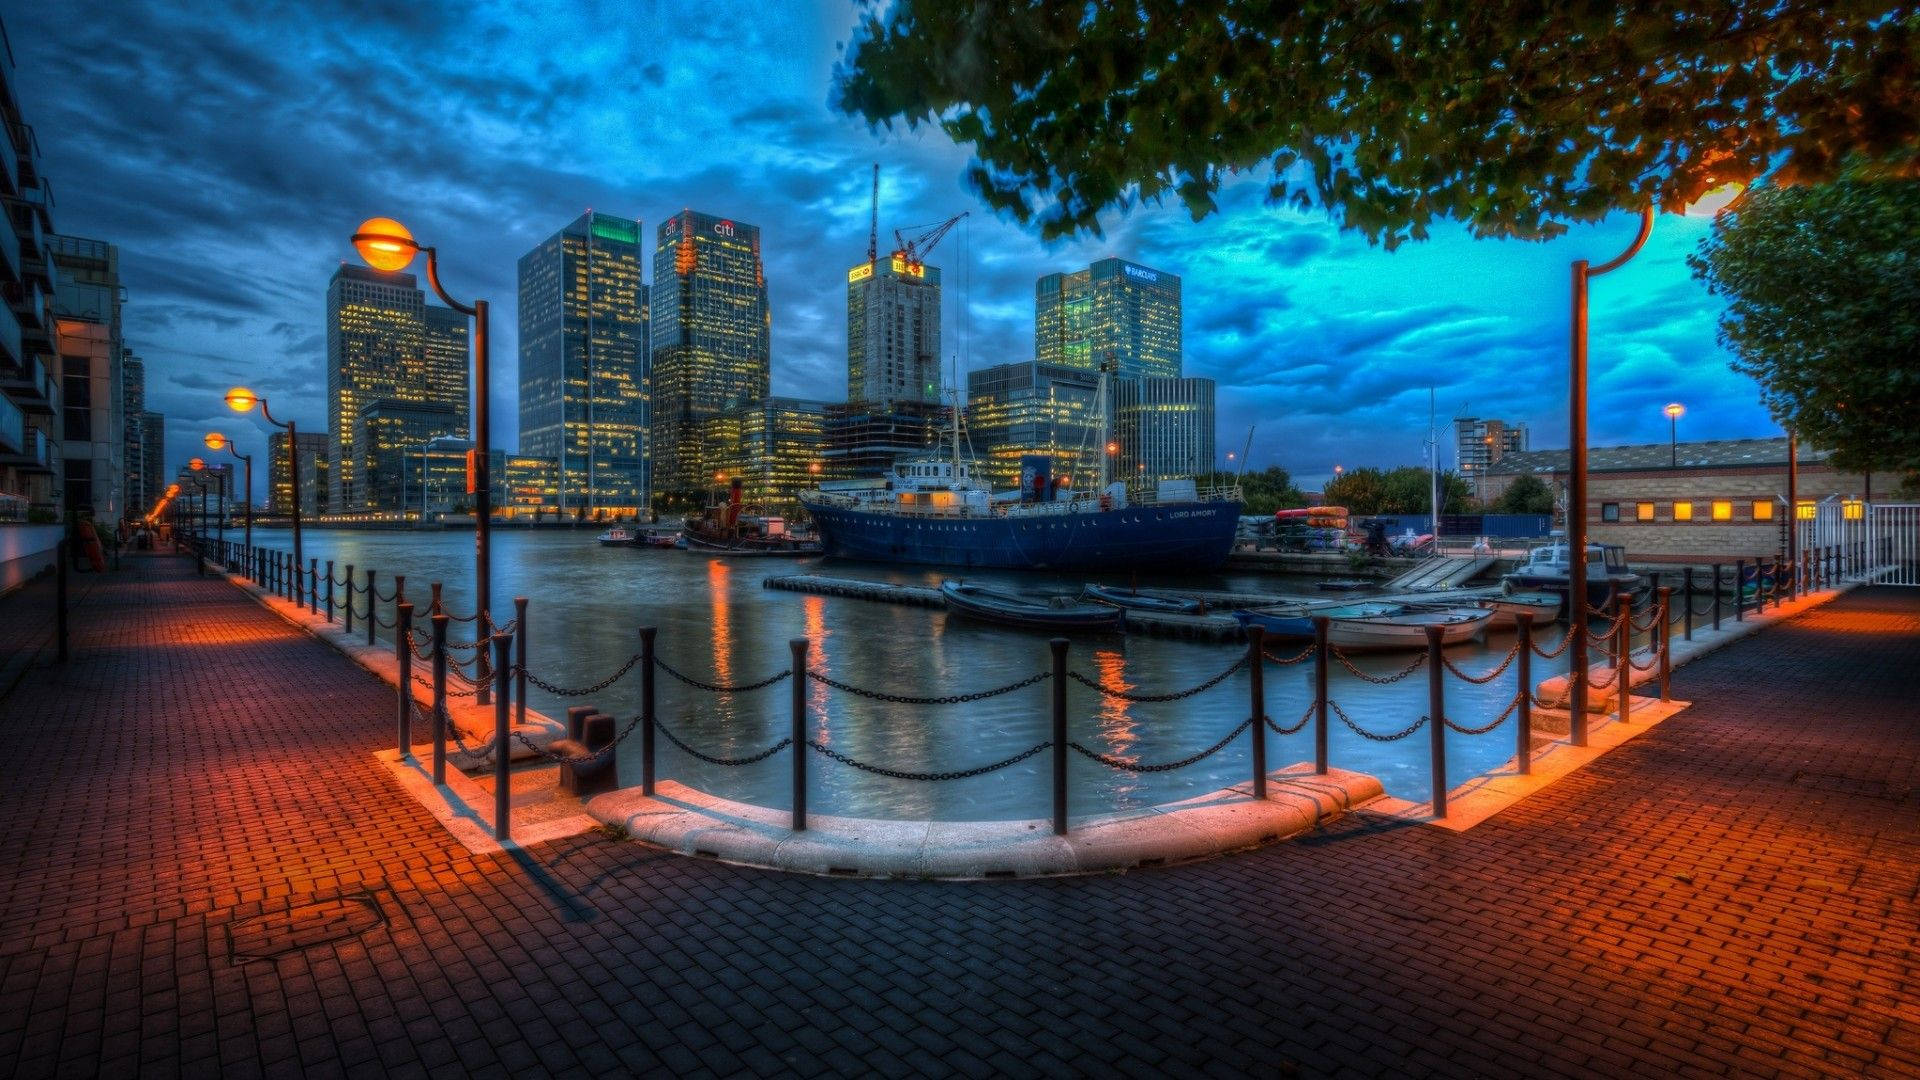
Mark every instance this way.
x=620 y=536
x=1543 y=606
x=1406 y=631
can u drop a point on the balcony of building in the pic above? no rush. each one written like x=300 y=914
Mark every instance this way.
x=30 y=386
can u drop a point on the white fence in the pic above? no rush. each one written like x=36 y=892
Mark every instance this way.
x=1867 y=541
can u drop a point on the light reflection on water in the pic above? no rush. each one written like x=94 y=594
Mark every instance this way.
x=718 y=624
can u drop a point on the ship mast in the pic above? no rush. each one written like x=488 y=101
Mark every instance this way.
x=1106 y=426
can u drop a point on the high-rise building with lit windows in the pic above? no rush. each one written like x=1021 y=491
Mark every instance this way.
x=584 y=363
x=384 y=342
x=711 y=333
x=1163 y=428
x=385 y=434
x=313 y=447
x=1113 y=308
x=1014 y=410
x=893 y=332
x=775 y=445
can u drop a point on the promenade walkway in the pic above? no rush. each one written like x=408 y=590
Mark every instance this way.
x=1736 y=892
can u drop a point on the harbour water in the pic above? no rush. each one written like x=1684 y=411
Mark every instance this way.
x=717 y=623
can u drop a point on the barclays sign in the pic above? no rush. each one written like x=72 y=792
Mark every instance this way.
x=1139 y=272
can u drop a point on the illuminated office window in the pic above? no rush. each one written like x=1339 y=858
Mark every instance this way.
x=1722 y=510
x=1683 y=511
x=1763 y=509
x=1644 y=512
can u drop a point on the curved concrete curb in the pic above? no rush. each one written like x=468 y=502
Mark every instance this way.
x=695 y=823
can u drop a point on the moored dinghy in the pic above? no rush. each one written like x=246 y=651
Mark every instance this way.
x=1406 y=630
x=1294 y=622
x=1029 y=613
x=1543 y=606
x=1138 y=602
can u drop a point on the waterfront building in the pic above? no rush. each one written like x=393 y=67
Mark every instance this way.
x=153 y=459
x=1113 y=309
x=313 y=447
x=1163 y=428
x=530 y=486
x=710 y=332
x=584 y=362
x=382 y=344
x=435 y=481
x=776 y=446
x=1479 y=444
x=1725 y=499
x=139 y=495
x=863 y=441
x=30 y=455
x=1014 y=410
x=384 y=433
x=87 y=362
x=893 y=332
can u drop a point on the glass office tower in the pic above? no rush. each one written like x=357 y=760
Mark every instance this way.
x=711 y=337
x=584 y=363
x=1115 y=309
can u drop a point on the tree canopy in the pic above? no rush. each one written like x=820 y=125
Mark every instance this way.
x=1265 y=491
x=1405 y=490
x=1512 y=116
x=1823 y=308
x=1526 y=495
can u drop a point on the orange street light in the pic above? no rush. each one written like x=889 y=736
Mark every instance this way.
x=241 y=399
x=214 y=440
x=1674 y=412
x=196 y=464
x=385 y=244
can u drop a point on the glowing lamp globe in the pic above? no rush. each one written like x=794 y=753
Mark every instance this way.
x=1716 y=201
x=241 y=399
x=214 y=440
x=1675 y=411
x=196 y=464
x=385 y=244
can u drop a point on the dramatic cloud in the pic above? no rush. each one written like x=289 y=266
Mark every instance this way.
x=229 y=149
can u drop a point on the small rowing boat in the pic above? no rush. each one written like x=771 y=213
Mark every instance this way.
x=1030 y=613
x=1134 y=601
x=1294 y=622
x=1406 y=631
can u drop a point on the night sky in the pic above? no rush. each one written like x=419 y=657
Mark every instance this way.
x=229 y=150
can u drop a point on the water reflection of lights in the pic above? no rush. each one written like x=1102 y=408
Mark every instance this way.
x=1115 y=716
x=814 y=613
x=718 y=573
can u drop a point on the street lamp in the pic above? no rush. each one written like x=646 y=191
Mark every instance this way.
x=386 y=245
x=1674 y=411
x=217 y=441
x=240 y=399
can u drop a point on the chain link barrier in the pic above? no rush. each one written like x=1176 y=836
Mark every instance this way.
x=1595 y=684
x=1376 y=679
x=1497 y=721
x=1653 y=658
x=1177 y=695
x=930 y=777
x=1165 y=766
x=1304 y=718
x=1555 y=654
x=909 y=699
x=452 y=691
x=721 y=688
x=1365 y=734
x=723 y=761
x=1482 y=680
x=571 y=692
x=460 y=618
x=1304 y=654
x=384 y=598
x=510 y=627
x=562 y=759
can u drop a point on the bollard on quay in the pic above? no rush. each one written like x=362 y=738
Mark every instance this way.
x=1257 y=692
x=577 y=721
x=1437 y=703
x=329 y=591
x=313 y=586
x=373 y=607
x=799 y=648
x=502 y=780
x=439 y=698
x=349 y=618
x=1523 y=739
x=1058 y=646
x=1666 y=646
x=646 y=709
x=436 y=608
x=1320 y=623
x=403 y=656
x=520 y=657
x=399 y=593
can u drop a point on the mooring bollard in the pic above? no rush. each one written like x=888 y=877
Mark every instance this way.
x=1058 y=646
x=1523 y=739
x=1666 y=647
x=799 y=648
x=403 y=655
x=1623 y=651
x=577 y=720
x=436 y=598
x=1257 y=693
x=313 y=586
x=348 y=622
x=1437 y=703
x=1686 y=583
x=646 y=709
x=502 y=780
x=439 y=698
x=520 y=660
x=1740 y=589
x=399 y=594
x=1320 y=623
x=373 y=608
x=329 y=591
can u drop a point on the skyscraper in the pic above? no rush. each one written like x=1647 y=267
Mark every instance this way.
x=1014 y=410
x=1112 y=308
x=133 y=400
x=313 y=473
x=776 y=446
x=893 y=332
x=583 y=362
x=153 y=458
x=382 y=344
x=386 y=433
x=1164 y=428
x=711 y=336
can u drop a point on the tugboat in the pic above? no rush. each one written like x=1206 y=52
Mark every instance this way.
x=619 y=536
x=723 y=529
x=935 y=512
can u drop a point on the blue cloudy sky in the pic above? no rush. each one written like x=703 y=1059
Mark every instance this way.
x=230 y=149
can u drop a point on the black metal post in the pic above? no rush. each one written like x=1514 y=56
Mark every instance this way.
x=313 y=586
x=329 y=591
x=1257 y=692
x=1622 y=650
x=439 y=698
x=647 y=717
x=799 y=749
x=1437 y=706
x=436 y=609
x=1740 y=588
x=349 y=618
x=403 y=656
x=520 y=665
x=502 y=780
x=1058 y=646
x=1523 y=739
x=1666 y=646
x=60 y=597
x=1320 y=623
x=373 y=608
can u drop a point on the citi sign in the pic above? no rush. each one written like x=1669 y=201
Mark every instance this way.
x=1135 y=271
x=723 y=228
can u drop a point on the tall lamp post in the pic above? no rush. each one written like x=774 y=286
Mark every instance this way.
x=1674 y=411
x=217 y=441
x=240 y=399
x=199 y=466
x=386 y=245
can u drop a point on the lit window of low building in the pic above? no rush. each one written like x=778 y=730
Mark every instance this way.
x=1683 y=511
x=1644 y=512
x=1763 y=509
x=1805 y=510
x=1722 y=510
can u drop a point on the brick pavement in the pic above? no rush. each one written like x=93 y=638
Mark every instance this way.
x=1733 y=893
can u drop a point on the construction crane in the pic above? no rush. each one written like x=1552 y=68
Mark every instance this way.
x=916 y=249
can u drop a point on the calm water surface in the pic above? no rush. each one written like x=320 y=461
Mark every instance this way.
x=718 y=623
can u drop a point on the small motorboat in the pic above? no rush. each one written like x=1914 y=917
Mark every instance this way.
x=1342 y=584
x=1546 y=570
x=1134 y=601
x=1543 y=606
x=1030 y=613
x=1406 y=631
x=1294 y=622
x=662 y=540
x=619 y=536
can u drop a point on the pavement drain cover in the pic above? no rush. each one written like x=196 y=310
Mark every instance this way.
x=1835 y=784
x=302 y=926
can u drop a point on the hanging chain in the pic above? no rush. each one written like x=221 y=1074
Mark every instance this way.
x=721 y=688
x=1272 y=659
x=1489 y=676
x=933 y=777
x=908 y=699
x=1555 y=654
x=1304 y=717
x=583 y=759
x=729 y=762
x=1375 y=679
x=1125 y=695
x=564 y=691
x=1364 y=733
x=1501 y=719
x=1168 y=766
